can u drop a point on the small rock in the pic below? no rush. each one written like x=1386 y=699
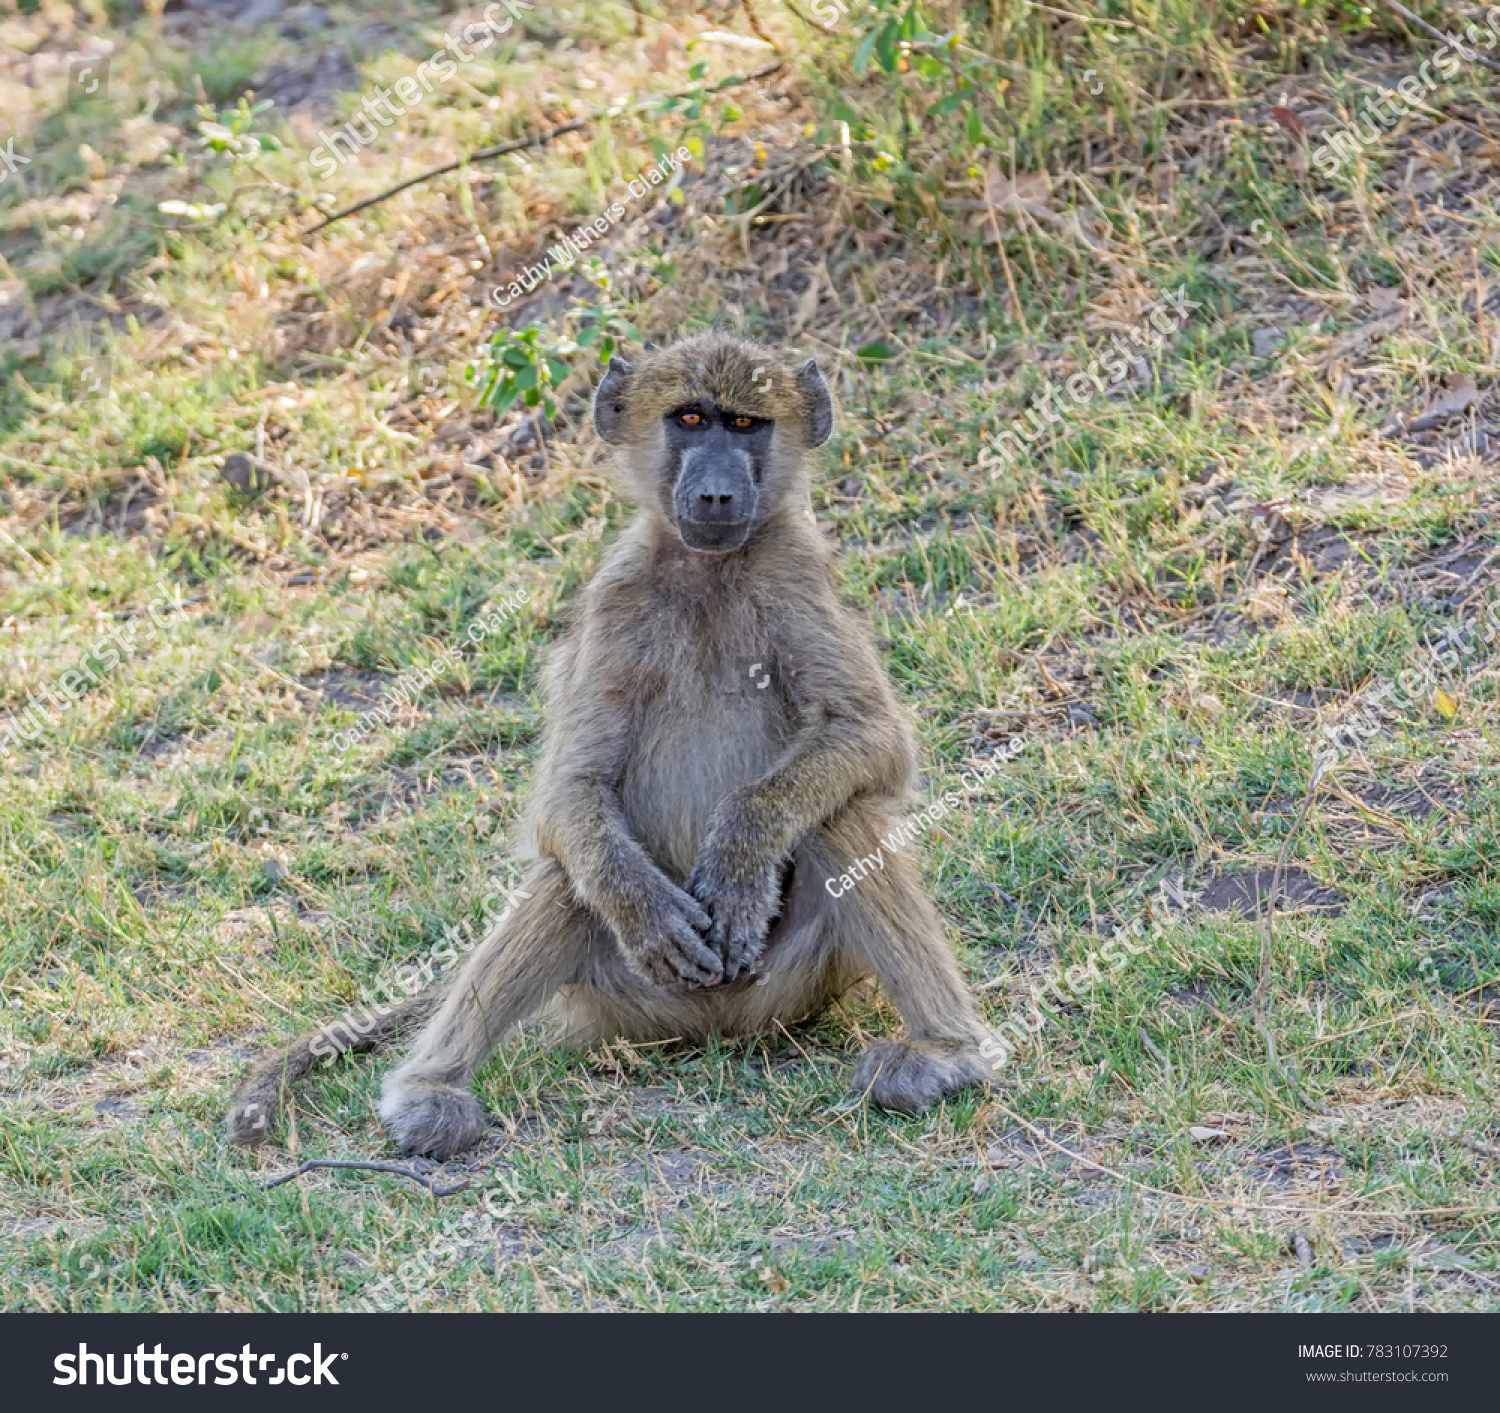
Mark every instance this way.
x=248 y=474
x=1436 y=1257
x=1265 y=342
x=307 y=20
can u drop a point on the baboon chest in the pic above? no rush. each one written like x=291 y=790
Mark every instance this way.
x=718 y=722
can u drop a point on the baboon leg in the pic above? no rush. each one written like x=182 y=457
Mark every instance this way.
x=887 y=925
x=425 y=1101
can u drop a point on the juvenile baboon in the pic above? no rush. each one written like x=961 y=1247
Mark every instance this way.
x=686 y=811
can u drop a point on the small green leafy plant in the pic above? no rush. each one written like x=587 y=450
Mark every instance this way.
x=521 y=365
x=601 y=322
x=231 y=133
x=518 y=366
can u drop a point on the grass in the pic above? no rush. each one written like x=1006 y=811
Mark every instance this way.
x=1165 y=615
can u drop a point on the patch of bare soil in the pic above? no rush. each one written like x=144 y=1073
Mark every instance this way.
x=1248 y=893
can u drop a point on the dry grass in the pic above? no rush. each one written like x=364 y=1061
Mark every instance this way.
x=1171 y=602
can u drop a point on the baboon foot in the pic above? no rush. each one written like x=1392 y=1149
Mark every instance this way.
x=432 y=1120
x=907 y=1076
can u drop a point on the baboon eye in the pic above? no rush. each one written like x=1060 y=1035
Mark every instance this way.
x=743 y=423
x=691 y=419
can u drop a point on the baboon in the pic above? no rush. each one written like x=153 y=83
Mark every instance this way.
x=719 y=741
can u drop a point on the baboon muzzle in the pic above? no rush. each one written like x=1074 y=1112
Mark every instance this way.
x=715 y=498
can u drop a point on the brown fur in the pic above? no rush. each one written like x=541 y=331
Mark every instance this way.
x=686 y=819
x=259 y=1098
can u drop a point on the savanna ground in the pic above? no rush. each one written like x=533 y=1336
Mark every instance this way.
x=1165 y=615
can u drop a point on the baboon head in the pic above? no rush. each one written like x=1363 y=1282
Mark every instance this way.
x=713 y=434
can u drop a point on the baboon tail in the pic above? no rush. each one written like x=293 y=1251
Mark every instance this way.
x=258 y=1101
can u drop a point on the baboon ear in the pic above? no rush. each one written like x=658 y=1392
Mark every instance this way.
x=819 y=405
x=609 y=402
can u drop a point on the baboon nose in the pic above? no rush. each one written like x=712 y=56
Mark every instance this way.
x=709 y=501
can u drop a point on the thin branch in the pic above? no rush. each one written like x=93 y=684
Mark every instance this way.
x=1225 y=1204
x=798 y=13
x=749 y=8
x=1151 y=1045
x=1086 y=19
x=535 y=140
x=1438 y=35
x=314 y=1163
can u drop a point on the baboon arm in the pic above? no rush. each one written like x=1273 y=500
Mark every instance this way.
x=826 y=765
x=659 y=927
x=583 y=827
x=853 y=740
x=577 y=811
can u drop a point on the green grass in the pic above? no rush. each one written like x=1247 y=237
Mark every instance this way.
x=1163 y=609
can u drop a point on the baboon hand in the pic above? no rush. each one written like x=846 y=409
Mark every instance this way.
x=743 y=902
x=668 y=946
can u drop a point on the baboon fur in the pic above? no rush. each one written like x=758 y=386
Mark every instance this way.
x=684 y=818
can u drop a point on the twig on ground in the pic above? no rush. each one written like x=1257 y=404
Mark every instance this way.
x=16 y=544
x=314 y=1163
x=1433 y=33
x=1151 y=1045
x=1220 y=1203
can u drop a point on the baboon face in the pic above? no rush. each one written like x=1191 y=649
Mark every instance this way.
x=713 y=433
x=721 y=457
